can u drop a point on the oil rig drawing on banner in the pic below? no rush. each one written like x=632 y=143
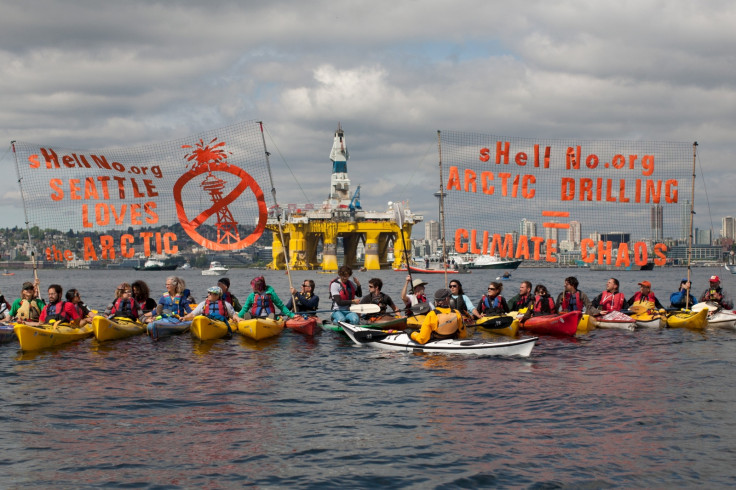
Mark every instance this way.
x=339 y=220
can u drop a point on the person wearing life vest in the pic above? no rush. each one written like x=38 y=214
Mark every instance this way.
x=263 y=302
x=306 y=299
x=682 y=298
x=417 y=295
x=85 y=315
x=644 y=297
x=716 y=294
x=524 y=298
x=28 y=307
x=173 y=301
x=57 y=309
x=344 y=293
x=214 y=307
x=142 y=295
x=459 y=301
x=224 y=284
x=377 y=297
x=543 y=303
x=4 y=308
x=124 y=305
x=442 y=322
x=571 y=299
x=491 y=304
x=611 y=299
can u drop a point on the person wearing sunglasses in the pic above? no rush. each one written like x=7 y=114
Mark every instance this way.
x=85 y=315
x=459 y=301
x=124 y=305
x=29 y=306
x=492 y=303
x=543 y=302
x=306 y=300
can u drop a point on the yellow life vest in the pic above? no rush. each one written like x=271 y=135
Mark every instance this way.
x=28 y=310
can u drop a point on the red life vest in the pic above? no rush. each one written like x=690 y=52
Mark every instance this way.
x=262 y=305
x=127 y=308
x=55 y=311
x=612 y=302
x=216 y=314
x=347 y=291
x=539 y=306
x=638 y=297
x=566 y=302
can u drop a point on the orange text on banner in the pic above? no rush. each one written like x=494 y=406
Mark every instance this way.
x=164 y=243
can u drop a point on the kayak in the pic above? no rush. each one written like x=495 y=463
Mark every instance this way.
x=7 y=333
x=397 y=323
x=308 y=325
x=402 y=342
x=562 y=324
x=49 y=335
x=586 y=323
x=616 y=319
x=260 y=328
x=205 y=328
x=717 y=317
x=167 y=326
x=499 y=324
x=688 y=319
x=650 y=319
x=117 y=328
x=415 y=321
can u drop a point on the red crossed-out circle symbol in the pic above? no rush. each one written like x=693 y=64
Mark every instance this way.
x=191 y=225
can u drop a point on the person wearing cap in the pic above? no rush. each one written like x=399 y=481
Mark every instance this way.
x=442 y=322
x=716 y=294
x=417 y=295
x=224 y=284
x=683 y=298
x=214 y=307
x=29 y=306
x=262 y=302
x=644 y=297
x=572 y=299
x=124 y=305
x=611 y=299
x=306 y=300
x=491 y=304
x=524 y=299
x=377 y=297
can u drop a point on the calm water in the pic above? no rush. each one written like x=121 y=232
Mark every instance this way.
x=609 y=409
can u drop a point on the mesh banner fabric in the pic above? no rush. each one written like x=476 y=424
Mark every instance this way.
x=140 y=200
x=616 y=203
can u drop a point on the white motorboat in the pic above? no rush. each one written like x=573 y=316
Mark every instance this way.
x=215 y=269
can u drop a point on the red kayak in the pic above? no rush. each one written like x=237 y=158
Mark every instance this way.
x=307 y=326
x=564 y=324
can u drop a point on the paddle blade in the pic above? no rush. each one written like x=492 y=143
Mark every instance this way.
x=399 y=214
x=420 y=309
x=365 y=309
x=365 y=336
x=496 y=323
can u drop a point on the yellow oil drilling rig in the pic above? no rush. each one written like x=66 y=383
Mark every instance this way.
x=339 y=219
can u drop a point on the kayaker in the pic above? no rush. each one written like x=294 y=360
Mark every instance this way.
x=262 y=302
x=682 y=298
x=459 y=301
x=85 y=315
x=173 y=301
x=28 y=307
x=417 y=296
x=543 y=302
x=644 y=298
x=124 y=305
x=611 y=299
x=58 y=309
x=306 y=300
x=377 y=297
x=571 y=299
x=224 y=284
x=343 y=293
x=4 y=308
x=492 y=303
x=214 y=307
x=716 y=294
x=524 y=298
x=142 y=293
x=443 y=322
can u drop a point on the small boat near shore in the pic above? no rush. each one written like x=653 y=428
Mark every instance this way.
x=216 y=269
x=156 y=265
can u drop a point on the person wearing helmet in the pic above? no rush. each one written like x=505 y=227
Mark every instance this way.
x=441 y=323
x=716 y=294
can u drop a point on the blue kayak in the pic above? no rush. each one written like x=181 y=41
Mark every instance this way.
x=167 y=326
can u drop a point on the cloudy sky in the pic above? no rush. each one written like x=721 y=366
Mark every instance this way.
x=97 y=74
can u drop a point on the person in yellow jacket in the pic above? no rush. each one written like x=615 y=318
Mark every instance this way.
x=441 y=323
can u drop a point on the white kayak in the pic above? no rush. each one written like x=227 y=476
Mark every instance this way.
x=616 y=319
x=717 y=317
x=398 y=341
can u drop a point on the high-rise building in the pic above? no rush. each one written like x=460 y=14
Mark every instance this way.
x=657 y=222
x=550 y=234
x=703 y=237
x=574 y=233
x=727 y=228
x=432 y=230
x=528 y=228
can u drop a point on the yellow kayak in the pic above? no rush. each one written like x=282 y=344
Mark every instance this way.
x=260 y=328
x=414 y=322
x=117 y=328
x=489 y=324
x=586 y=323
x=650 y=319
x=205 y=328
x=49 y=335
x=688 y=319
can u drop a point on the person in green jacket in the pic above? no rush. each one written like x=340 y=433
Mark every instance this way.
x=262 y=302
x=29 y=306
